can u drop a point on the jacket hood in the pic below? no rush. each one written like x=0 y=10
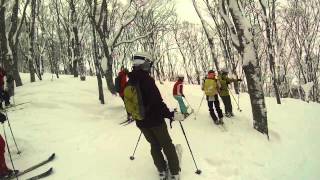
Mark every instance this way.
x=136 y=75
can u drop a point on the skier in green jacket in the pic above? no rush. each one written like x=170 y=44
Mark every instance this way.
x=224 y=91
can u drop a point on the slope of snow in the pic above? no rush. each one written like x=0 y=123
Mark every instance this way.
x=65 y=117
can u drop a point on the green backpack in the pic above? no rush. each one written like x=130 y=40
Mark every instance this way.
x=133 y=101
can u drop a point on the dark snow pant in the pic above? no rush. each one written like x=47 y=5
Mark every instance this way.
x=3 y=166
x=159 y=139
x=4 y=96
x=216 y=104
x=227 y=104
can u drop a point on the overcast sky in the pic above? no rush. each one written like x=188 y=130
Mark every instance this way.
x=186 y=11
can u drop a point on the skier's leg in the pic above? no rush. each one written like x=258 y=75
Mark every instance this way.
x=3 y=166
x=6 y=98
x=183 y=107
x=228 y=99
x=156 y=153
x=217 y=106
x=225 y=103
x=211 y=111
x=169 y=150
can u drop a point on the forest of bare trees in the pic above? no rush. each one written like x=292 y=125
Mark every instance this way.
x=274 y=45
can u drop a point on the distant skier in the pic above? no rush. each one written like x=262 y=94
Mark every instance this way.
x=178 y=94
x=4 y=95
x=211 y=88
x=120 y=84
x=4 y=170
x=143 y=100
x=224 y=91
x=123 y=79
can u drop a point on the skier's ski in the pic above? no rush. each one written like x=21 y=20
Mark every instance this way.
x=32 y=167
x=11 y=110
x=15 y=105
x=222 y=126
x=127 y=123
x=42 y=175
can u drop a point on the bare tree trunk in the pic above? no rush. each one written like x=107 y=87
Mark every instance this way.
x=32 y=39
x=209 y=37
x=78 y=59
x=271 y=48
x=243 y=41
x=3 y=37
x=96 y=63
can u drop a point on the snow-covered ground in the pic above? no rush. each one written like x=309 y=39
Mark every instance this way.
x=65 y=117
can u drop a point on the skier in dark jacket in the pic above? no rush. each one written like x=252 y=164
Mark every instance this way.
x=153 y=126
x=4 y=95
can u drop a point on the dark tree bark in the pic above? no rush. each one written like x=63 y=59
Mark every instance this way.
x=271 y=48
x=97 y=64
x=243 y=42
x=31 y=56
x=78 y=59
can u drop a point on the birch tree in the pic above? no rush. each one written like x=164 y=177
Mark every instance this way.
x=242 y=39
x=10 y=41
x=110 y=24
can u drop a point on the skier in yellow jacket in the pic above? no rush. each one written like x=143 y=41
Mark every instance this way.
x=211 y=87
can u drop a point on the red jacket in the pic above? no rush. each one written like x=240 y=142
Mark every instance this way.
x=178 y=88
x=123 y=81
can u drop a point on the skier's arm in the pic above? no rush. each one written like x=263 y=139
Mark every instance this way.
x=155 y=100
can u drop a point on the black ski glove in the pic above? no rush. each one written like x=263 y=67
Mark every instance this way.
x=3 y=117
x=183 y=95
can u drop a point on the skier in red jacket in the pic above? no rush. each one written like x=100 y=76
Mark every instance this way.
x=123 y=74
x=4 y=170
x=178 y=94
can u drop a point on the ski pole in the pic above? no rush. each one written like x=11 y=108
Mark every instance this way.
x=5 y=137
x=235 y=100
x=198 y=170
x=14 y=140
x=195 y=116
x=132 y=157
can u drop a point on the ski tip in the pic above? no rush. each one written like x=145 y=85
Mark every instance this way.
x=52 y=156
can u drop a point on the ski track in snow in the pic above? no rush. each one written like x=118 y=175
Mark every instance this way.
x=65 y=117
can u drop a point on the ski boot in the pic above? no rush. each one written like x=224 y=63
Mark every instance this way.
x=228 y=114
x=186 y=115
x=9 y=173
x=163 y=175
x=175 y=177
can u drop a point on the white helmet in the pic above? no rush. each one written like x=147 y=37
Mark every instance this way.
x=142 y=60
x=180 y=75
x=224 y=70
